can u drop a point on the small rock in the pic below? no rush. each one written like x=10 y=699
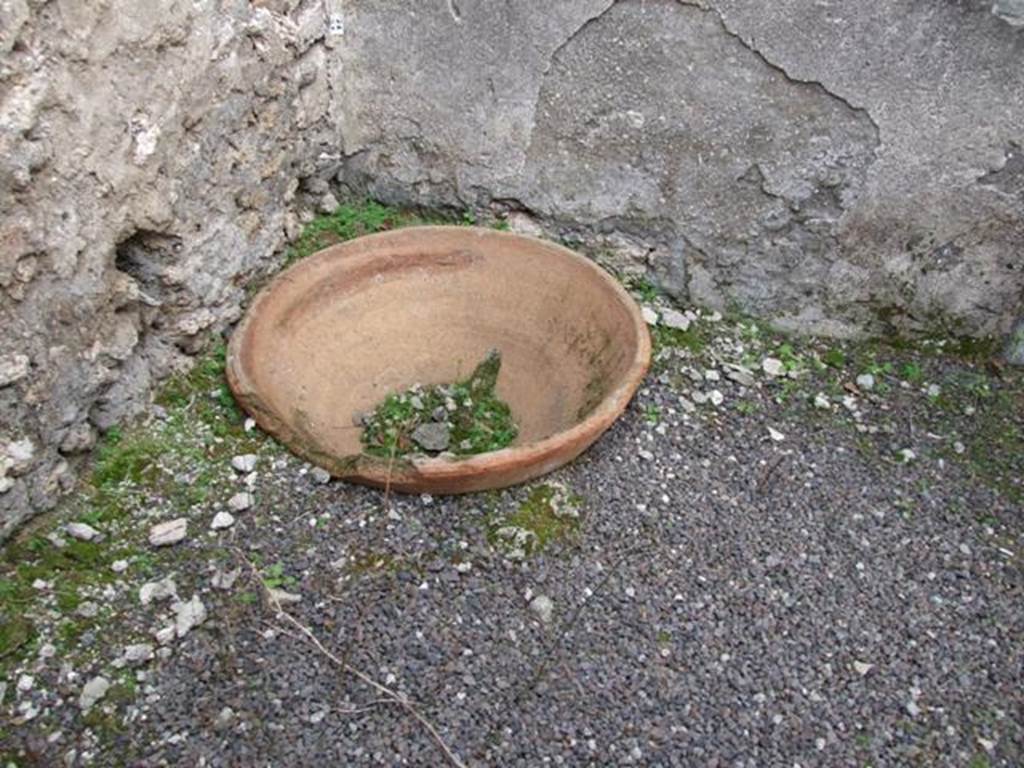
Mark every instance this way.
x=716 y=397
x=464 y=567
x=432 y=436
x=934 y=390
x=959 y=447
x=649 y=315
x=138 y=654
x=822 y=402
x=250 y=425
x=25 y=683
x=225 y=579
x=47 y=651
x=81 y=531
x=166 y=534
x=283 y=597
x=119 y=566
x=645 y=454
x=906 y=455
x=670 y=318
x=188 y=615
x=912 y=709
x=775 y=435
x=241 y=501
x=328 y=203
x=987 y=744
x=862 y=668
x=225 y=719
x=92 y=692
x=866 y=382
x=320 y=476
x=245 y=463
x=87 y=610
x=737 y=373
x=772 y=366
x=543 y=607
x=155 y=591
x=222 y=520
x=712 y=375
x=164 y=636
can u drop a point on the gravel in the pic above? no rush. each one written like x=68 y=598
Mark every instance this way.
x=758 y=585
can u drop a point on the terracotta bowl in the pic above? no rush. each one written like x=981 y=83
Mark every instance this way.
x=333 y=335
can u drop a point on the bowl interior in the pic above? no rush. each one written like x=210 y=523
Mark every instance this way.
x=333 y=336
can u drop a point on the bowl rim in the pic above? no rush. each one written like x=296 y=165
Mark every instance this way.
x=410 y=471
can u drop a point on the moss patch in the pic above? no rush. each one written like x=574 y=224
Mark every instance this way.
x=550 y=513
x=468 y=413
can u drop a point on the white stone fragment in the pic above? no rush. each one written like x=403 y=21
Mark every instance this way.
x=543 y=607
x=222 y=520
x=670 y=318
x=772 y=366
x=188 y=615
x=139 y=653
x=241 y=502
x=166 y=534
x=245 y=463
x=155 y=591
x=92 y=692
x=81 y=531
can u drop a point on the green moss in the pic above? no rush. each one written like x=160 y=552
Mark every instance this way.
x=692 y=339
x=549 y=514
x=357 y=219
x=479 y=421
x=642 y=288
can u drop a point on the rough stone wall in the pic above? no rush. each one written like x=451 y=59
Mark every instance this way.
x=835 y=167
x=148 y=151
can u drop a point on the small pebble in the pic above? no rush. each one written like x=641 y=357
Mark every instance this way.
x=245 y=463
x=772 y=366
x=543 y=607
x=81 y=531
x=222 y=520
x=166 y=534
x=241 y=502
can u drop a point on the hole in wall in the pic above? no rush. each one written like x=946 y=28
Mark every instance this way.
x=145 y=256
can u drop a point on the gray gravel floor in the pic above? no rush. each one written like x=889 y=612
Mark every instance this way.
x=730 y=599
x=734 y=601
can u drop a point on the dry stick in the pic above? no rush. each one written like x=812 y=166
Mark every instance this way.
x=392 y=696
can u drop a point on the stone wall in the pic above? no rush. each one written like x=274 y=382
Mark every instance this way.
x=148 y=154
x=835 y=167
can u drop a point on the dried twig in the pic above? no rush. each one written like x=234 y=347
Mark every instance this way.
x=390 y=695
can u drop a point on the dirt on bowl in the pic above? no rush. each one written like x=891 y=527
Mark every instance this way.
x=333 y=335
